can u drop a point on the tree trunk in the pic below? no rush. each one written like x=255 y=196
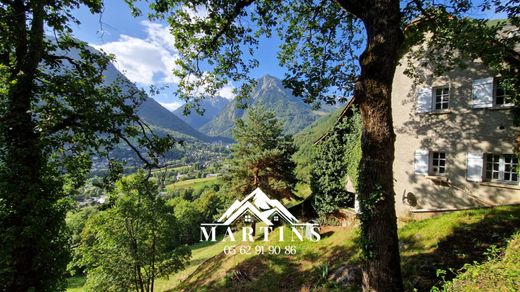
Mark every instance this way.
x=27 y=230
x=382 y=271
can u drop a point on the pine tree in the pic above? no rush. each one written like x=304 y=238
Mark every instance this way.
x=343 y=48
x=262 y=156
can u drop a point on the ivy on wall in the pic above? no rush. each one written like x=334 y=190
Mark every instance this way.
x=335 y=160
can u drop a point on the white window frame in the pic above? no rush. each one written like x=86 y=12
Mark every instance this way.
x=276 y=218
x=248 y=218
x=445 y=93
x=501 y=169
x=496 y=87
x=424 y=163
x=435 y=163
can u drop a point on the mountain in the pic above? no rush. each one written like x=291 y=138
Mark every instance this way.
x=158 y=116
x=271 y=94
x=155 y=114
x=211 y=106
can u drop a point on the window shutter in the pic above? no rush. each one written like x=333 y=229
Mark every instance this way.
x=357 y=206
x=483 y=93
x=474 y=167
x=424 y=100
x=421 y=161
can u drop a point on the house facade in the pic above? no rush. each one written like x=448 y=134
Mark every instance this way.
x=455 y=141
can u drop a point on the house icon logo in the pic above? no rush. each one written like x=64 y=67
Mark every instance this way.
x=259 y=206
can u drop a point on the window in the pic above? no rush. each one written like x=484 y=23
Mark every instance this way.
x=247 y=218
x=276 y=218
x=488 y=93
x=442 y=97
x=502 y=167
x=428 y=162
x=438 y=166
x=502 y=98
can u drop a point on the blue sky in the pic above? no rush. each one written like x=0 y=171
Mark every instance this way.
x=144 y=50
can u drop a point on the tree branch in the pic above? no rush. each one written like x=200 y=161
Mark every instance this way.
x=356 y=7
x=149 y=164
x=241 y=5
x=7 y=2
x=55 y=58
x=70 y=121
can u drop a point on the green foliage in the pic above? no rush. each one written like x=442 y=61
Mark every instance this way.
x=75 y=223
x=336 y=158
x=188 y=219
x=262 y=156
x=134 y=242
x=322 y=272
x=322 y=46
x=57 y=110
x=197 y=204
x=305 y=139
x=500 y=272
x=491 y=42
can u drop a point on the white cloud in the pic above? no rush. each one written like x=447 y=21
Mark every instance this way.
x=199 y=12
x=151 y=60
x=201 y=86
x=171 y=106
x=227 y=92
x=146 y=61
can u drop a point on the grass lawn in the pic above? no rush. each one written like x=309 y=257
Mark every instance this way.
x=200 y=253
x=75 y=284
x=445 y=242
x=192 y=183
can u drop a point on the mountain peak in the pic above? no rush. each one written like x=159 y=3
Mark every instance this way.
x=269 y=79
x=266 y=83
x=268 y=76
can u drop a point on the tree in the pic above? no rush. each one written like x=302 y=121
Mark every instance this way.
x=261 y=156
x=321 y=45
x=131 y=244
x=335 y=160
x=55 y=113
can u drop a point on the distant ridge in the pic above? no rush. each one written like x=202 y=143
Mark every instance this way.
x=271 y=94
x=156 y=115
x=211 y=106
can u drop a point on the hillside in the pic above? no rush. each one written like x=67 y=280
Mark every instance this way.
x=472 y=239
x=443 y=242
x=211 y=106
x=152 y=112
x=305 y=139
x=269 y=93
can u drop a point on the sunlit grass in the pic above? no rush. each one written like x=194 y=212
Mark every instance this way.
x=191 y=183
x=209 y=269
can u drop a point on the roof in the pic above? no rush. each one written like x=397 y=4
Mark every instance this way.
x=347 y=111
